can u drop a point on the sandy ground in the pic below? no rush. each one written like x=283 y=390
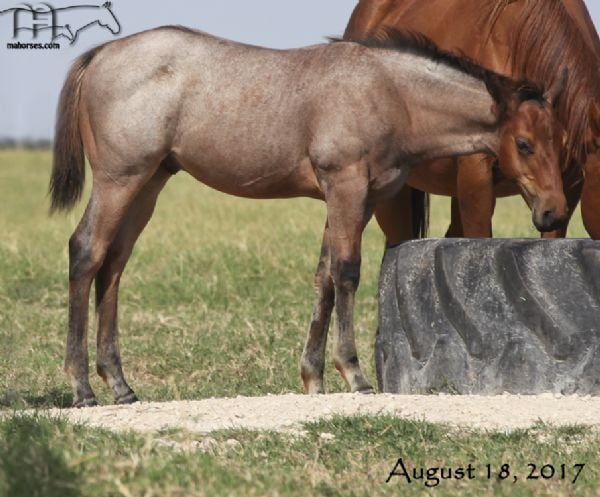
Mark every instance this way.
x=288 y=412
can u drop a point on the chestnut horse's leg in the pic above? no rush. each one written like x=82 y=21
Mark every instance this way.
x=347 y=215
x=394 y=216
x=455 y=230
x=108 y=204
x=475 y=195
x=108 y=359
x=590 y=199
x=312 y=364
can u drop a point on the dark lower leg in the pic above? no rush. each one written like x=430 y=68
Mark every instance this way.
x=82 y=268
x=108 y=359
x=312 y=364
x=76 y=356
x=346 y=275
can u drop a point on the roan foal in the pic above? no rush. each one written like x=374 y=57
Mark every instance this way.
x=340 y=122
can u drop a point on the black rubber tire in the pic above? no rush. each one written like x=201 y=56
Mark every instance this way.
x=490 y=316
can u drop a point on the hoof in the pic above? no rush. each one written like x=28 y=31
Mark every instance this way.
x=314 y=387
x=130 y=398
x=366 y=391
x=89 y=402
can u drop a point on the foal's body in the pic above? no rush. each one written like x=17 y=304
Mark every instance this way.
x=214 y=130
x=339 y=122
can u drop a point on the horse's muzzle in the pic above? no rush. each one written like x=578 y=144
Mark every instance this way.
x=549 y=221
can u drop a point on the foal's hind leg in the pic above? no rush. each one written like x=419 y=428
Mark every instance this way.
x=108 y=359
x=312 y=364
x=108 y=204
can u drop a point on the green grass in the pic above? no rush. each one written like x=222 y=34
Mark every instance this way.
x=215 y=302
x=48 y=458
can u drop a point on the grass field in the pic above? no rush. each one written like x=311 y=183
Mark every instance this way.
x=341 y=457
x=215 y=302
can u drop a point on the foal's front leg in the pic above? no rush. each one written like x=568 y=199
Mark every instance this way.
x=347 y=216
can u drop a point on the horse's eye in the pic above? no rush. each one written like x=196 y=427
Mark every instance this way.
x=524 y=147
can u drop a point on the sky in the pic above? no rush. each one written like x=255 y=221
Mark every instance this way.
x=30 y=80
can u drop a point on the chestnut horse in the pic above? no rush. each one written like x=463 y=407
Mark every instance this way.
x=341 y=122
x=535 y=39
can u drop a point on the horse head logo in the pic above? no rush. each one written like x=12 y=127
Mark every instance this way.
x=65 y=22
x=108 y=19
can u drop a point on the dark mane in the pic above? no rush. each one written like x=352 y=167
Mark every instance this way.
x=420 y=45
x=536 y=55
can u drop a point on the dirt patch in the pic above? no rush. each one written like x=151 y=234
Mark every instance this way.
x=289 y=412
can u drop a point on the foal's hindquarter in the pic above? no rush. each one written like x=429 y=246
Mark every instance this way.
x=338 y=122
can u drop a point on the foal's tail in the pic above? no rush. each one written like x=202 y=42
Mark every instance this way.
x=68 y=169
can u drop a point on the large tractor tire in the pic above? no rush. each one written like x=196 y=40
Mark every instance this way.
x=490 y=316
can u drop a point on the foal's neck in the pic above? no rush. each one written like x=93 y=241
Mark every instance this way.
x=451 y=112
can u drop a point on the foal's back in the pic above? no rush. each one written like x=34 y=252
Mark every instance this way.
x=225 y=108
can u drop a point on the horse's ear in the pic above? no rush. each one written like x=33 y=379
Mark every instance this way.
x=107 y=5
x=557 y=89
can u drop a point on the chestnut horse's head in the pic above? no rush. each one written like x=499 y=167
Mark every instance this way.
x=531 y=150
